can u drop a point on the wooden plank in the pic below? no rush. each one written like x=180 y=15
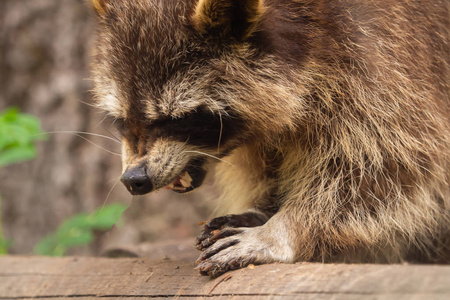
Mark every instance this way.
x=137 y=278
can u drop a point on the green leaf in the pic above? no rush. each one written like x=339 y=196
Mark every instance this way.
x=105 y=217
x=74 y=237
x=77 y=221
x=9 y=115
x=17 y=135
x=46 y=246
x=4 y=245
x=15 y=155
x=78 y=230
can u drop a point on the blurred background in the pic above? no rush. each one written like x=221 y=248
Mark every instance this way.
x=45 y=48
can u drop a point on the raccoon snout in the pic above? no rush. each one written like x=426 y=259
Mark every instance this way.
x=137 y=181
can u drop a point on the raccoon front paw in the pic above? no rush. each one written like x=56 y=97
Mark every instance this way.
x=225 y=226
x=235 y=252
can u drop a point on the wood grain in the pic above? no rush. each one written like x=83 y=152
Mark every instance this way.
x=138 y=278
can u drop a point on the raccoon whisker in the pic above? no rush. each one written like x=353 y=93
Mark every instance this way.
x=113 y=136
x=103 y=120
x=220 y=134
x=110 y=191
x=78 y=133
x=100 y=147
x=82 y=137
x=210 y=155
x=88 y=104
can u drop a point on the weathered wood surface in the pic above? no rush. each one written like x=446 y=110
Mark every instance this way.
x=143 y=278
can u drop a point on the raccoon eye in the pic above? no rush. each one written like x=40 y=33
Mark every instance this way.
x=200 y=127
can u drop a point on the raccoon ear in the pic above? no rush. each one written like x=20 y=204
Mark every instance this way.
x=99 y=6
x=228 y=18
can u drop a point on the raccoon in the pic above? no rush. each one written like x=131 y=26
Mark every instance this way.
x=327 y=122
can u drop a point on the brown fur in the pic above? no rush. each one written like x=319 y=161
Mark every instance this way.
x=219 y=17
x=341 y=111
x=99 y=6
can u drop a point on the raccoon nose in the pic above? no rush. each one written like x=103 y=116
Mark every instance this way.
x=137 y=181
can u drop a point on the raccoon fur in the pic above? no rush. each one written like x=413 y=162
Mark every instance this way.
x=327 y=122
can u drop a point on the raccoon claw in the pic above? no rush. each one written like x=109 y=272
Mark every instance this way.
x=263 y=244
x=208 y=264
x=231 y=253
x=215 y=236
x=214 y=270
x=213 y=251
x=215 y=228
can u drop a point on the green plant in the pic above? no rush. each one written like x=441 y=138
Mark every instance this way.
x=18 y=132
x=79 y=230
x=17 y=135
x=4 y=243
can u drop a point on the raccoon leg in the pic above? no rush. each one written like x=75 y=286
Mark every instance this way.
x=227 y=225
x=262 y=244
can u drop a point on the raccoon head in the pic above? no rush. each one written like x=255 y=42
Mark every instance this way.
x=177 y=77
